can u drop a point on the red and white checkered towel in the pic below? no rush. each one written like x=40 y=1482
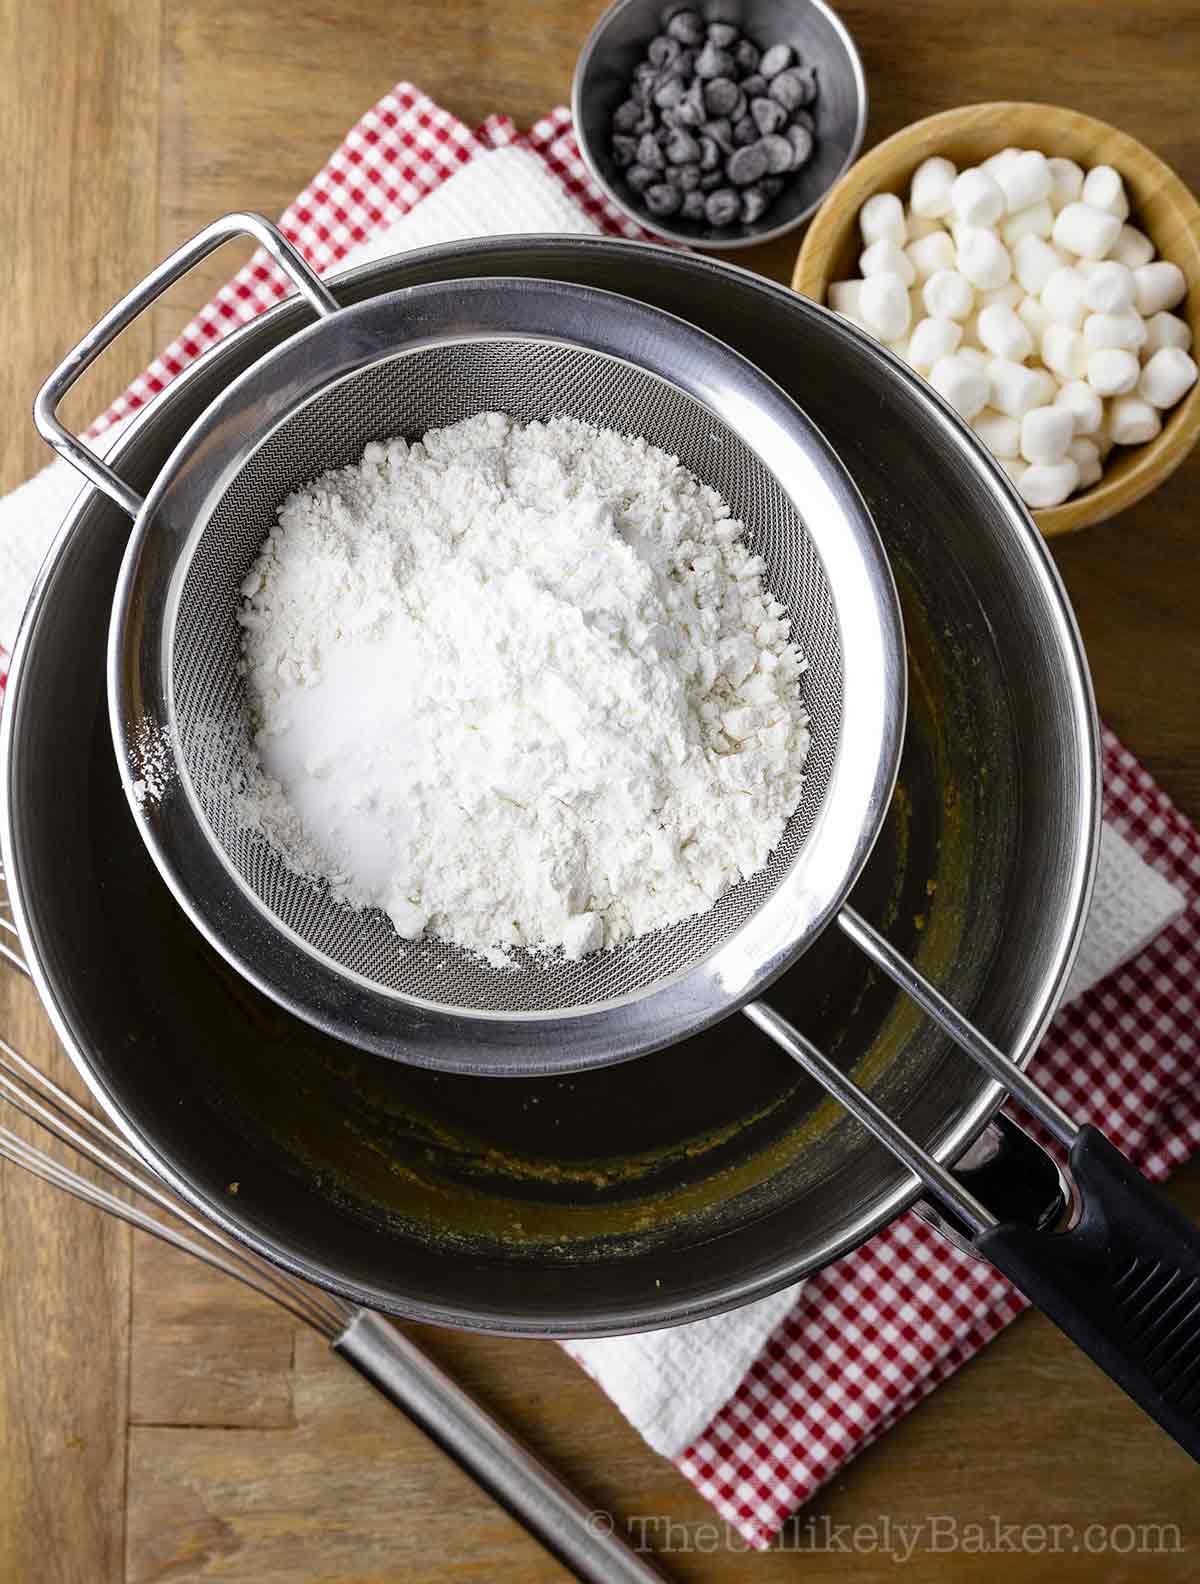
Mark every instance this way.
x=760 y=1407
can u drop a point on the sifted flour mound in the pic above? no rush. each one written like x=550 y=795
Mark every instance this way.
x=519 y=686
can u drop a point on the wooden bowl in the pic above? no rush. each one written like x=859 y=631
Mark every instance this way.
x=1161 y=206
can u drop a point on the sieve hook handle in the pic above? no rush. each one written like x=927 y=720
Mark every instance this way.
x=122 y=315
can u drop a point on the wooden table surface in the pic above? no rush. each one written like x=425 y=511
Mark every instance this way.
x=157 y=1423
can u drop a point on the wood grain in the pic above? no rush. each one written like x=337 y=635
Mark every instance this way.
x=1162 y=206
x=253 y=1454
x=78 y=212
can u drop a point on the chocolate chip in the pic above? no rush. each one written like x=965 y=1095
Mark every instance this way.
x=626 y=116
x=714 y=62
x=711 y=180
x=721 y=94
x=663 y=199
x=754 y=86
x=624 y=151
x=686 y=177
x=801 y=140
x=692 y=207
x=670 y=92
x=683 y=149
x=723 y=207
x=801 y=118
x=639 y=177
x=649 y=153
x=747 y=165
x=795 y=87
x=778 y=58
x=723 y=34
x=754 y=205
x=721 y=132
x=747 y=56
x=744 y=132
x=688 y=112
x=687 y=27
x=769 y=115
x=648 y=123
x=663 y=50
x=779 y=152
x=710 y=153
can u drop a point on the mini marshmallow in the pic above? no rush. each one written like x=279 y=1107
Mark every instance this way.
x=1085 y=231
x=931 y=253
x=963 y=385
x=976 y=198
x=1085 y=407
x=932 y=340
x=1133 y=248
x=1014 y=467
x=1046 y=432
x=882 y=217
x=1048 y=484
x=995 y=162
x=1086 y=456
x=883 y=303
x=1111 y=371
x=1104 y=189
x=1066 y=182
x=975 y=356
x=918 y=227
x=1166 y=330
x=843 y=296
x=1036 y=220
x=948 y=295
x=1032 y=314
x=1064 y=297
x=1065 y=353
x=1024 y=180
x=885 y=258
x=1109 y=288
x=1009 y=295
x=1014 y=389
x=1035 y=261
x=1159 y=285
x=1132 y=421
x=984 y=259
x=999 y=433
x=1002 y=333
x=1168 y=375
x=932 y=183
x=1114 y=330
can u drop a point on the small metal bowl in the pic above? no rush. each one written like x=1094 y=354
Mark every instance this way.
x=618 y=42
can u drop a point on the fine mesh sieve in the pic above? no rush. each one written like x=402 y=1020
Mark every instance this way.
x=408 y=395
x=399 y=366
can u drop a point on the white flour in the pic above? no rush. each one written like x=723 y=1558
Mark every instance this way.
x=520 y=686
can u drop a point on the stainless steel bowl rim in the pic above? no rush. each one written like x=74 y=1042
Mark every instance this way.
x=716 y=243
x=987 y=1096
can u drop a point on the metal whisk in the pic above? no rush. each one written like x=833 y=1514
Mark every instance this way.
x=396 y=1367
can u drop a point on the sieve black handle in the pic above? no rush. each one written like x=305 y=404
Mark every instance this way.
x=118 y=318
x=1123 y=1282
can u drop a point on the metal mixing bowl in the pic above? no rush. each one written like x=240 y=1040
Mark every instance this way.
x=698 y=1177
x=618 y=42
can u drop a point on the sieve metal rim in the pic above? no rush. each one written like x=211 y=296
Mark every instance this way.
x=431 y=1035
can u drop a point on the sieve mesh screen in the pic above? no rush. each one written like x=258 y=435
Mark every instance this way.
x=407 y=395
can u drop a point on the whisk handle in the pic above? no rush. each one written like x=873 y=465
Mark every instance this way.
x=582 y=1539
x=122 y=315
